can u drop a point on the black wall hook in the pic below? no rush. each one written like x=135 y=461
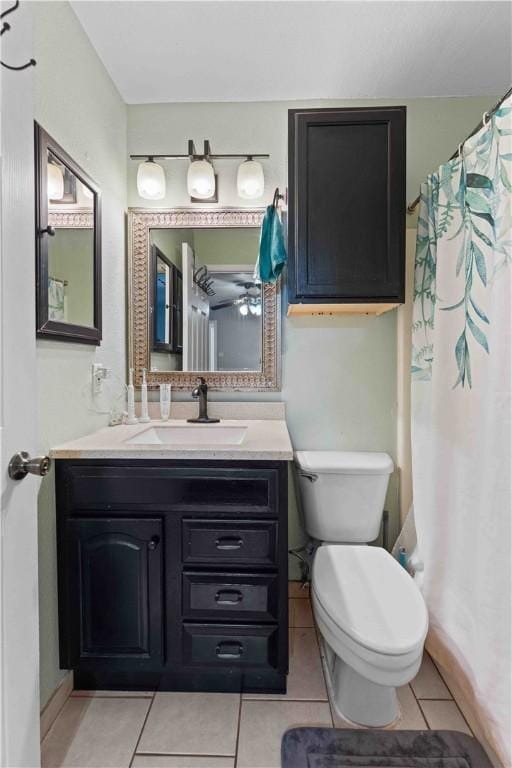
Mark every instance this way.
x=5 y=28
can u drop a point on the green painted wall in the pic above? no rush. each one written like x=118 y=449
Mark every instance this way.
x=77 y=103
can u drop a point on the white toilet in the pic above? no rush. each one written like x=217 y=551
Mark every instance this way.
x=371 y=615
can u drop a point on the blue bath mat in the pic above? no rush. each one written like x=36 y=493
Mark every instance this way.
x=336 y=748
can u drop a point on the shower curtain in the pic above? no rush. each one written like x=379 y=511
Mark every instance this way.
x=461 y=418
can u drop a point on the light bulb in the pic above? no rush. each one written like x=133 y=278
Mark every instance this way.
x=253 y=309
x=55 y=182
x=258 y=309
x=201 y=179
x=151 y=181
x=250 y=181
x=244 y=309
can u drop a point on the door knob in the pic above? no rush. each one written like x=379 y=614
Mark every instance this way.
x=21 y=465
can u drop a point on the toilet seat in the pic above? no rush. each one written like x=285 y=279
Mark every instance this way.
x=371 y=600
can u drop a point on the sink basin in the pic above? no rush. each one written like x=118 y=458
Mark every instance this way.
x=191 y=435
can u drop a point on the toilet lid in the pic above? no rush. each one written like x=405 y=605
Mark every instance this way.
x=344 y=462
x=370 y=597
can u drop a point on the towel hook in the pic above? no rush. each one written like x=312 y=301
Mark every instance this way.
x=5 y=28
x=277 y=197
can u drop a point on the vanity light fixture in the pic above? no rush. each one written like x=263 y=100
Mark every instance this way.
x=55 y=182
x=151 y=180
x=250 y=182
x=201 y=177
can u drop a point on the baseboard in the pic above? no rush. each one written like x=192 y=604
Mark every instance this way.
x=55 y=703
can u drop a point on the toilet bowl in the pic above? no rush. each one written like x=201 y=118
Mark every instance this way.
x=373 y=622
x=370 y=613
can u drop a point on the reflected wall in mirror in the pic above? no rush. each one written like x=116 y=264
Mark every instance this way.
x=205 y=303
x=68 y=246
x=192 y=282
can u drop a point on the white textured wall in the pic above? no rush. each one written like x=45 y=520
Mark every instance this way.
x=79 y=106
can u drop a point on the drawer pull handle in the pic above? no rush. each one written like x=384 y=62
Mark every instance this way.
x=228 y=597
x=230 y=649
x=229 y=542
x=153 y=542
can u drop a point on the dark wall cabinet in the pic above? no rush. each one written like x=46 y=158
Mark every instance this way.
x=173 y=575
x=346 y=206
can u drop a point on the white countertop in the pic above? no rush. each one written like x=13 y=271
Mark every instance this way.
x=265 y=439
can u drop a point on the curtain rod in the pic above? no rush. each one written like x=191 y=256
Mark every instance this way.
x=411 y=208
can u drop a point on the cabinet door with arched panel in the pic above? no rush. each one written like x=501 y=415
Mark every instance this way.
x=113 y=591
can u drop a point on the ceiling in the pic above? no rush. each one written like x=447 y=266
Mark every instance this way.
x=286 y=50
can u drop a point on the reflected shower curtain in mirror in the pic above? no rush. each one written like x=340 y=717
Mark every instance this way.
x=461 y=404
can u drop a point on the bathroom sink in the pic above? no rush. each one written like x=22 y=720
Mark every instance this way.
x=193 y=435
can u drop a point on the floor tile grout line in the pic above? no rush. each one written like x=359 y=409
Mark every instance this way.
x=442 y=678
x=290 y=701
x=424 y=715
x=235 y=762
x=142 y=729
x=181 y=754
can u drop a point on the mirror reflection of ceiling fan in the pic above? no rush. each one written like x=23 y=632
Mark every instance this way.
x=249 y=301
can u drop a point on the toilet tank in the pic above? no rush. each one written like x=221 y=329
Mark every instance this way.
x=342 y=493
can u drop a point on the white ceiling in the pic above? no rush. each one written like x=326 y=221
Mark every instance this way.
x=286 y=50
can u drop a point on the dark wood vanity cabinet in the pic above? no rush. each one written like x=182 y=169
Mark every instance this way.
x=346 y=231
x=173 y=575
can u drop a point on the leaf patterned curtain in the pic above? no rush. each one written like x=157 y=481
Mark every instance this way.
x=461 y=406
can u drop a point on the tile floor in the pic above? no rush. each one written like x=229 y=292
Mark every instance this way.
x=216 y=730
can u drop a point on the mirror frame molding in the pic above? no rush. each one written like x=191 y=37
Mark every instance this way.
x=61 y=218
x=140 y=223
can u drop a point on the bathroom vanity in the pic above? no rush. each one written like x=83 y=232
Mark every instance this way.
x=172 y=556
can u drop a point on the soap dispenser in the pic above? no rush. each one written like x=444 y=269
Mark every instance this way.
x=144 y=416
x=131 y=417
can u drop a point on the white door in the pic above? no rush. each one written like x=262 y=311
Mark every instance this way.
x=196 y=314
x=19 y=648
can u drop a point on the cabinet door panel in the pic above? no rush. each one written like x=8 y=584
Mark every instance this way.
x=115 y=588
x=347 y=204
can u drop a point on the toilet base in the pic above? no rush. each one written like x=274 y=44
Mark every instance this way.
x=357 y=699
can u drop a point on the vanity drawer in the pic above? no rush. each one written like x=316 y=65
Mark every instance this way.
x=234 y=542
x=230 y=596
x=184 y=488
x=219 y=645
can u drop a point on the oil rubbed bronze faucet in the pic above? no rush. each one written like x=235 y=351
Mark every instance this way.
x=201 y=392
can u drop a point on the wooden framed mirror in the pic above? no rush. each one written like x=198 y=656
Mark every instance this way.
x=194 y=307
x=68 y=246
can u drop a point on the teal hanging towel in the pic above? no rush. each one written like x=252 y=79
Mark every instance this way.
x=272 y=254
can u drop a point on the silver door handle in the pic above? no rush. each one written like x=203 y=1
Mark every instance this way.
x=22 y=465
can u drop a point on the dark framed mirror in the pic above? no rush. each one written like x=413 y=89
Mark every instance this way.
x=68 y=246
x=166 y=304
